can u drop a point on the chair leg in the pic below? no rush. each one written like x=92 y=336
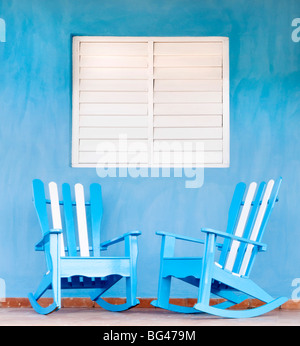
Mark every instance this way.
x=163 y=298
x=115 y=307
x=55 y=244
x=45 y=284
x=206 y=275
x=254 y=290
x=131 y=285
x=40 y=309
x=164 y=283
x=131 y=301
x=131 y=251
x=232 y=298
x=245 y=313
x=52 y=278
x=164 y=289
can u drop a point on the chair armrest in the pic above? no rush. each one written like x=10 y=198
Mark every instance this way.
x=182 y=237
x=106 y=244
x=40 y=246
x=261 y=246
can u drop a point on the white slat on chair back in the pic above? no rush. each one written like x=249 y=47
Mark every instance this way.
x=81 y=220
x=55 y=209
x=256 y=227
x=240 y=227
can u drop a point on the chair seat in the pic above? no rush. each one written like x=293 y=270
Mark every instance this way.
x=182 y=267
x=83 y=282
x=95 y=266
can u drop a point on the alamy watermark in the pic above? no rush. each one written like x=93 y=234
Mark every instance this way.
x=163 y=159
x=296 y=291
x=2 y=290
x=2 y=30
x=296 y=32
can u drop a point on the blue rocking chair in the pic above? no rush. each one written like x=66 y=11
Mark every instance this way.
x=79 y=265
x=228 y=276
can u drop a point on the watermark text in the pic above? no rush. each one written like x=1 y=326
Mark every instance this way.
x=2 y=30
x=142 y=159
x=296 y=32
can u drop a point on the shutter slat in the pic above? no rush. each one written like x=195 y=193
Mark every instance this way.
x=113 y=97
x=113 y=109
x=188 y=133
x=187 y=60
x=187 y=73
x=113 y=85
x=187 y=97
x=113 y=121
x=188 y=85
x=113 y=48
x=128 y=145
x=188 y=48
x=113 y=61
x=205 y=144
x=112 y=73
x=113 y=133
x=188 y=121
x=188 y=158
x=114 y=157
x=188 y=108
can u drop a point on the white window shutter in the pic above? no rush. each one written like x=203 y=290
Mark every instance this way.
x=158 y=95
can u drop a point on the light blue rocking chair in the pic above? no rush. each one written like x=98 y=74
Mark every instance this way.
x=80 y=266
x=227 y=277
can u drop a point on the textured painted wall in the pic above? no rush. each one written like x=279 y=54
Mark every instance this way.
x=35 y=131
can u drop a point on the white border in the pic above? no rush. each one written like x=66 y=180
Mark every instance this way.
x=75 y=98
x=75 y=102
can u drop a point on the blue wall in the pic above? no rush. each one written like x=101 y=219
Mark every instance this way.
x=35 y=131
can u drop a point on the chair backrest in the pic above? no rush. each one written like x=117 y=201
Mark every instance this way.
x=75 y=240
x=247 y=218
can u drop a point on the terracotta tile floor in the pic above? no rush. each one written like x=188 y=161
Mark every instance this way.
x=138 y=317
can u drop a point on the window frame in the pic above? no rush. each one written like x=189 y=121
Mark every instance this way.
x=77 y=40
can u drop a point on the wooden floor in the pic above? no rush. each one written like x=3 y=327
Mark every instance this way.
x=138 y=317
